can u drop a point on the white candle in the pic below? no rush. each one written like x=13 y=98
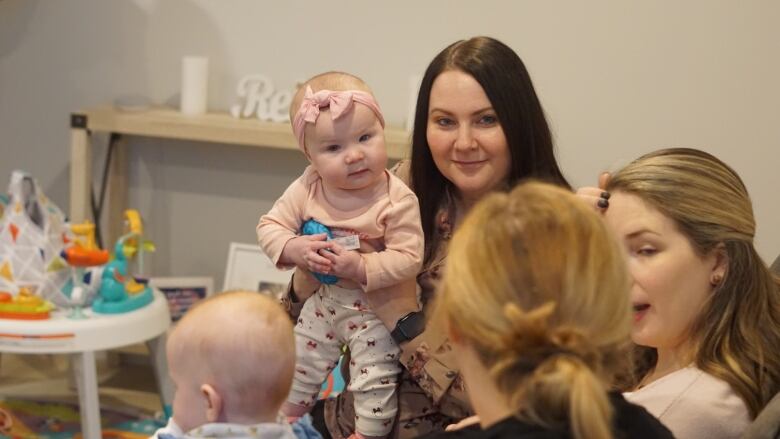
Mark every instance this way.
x=194 y=84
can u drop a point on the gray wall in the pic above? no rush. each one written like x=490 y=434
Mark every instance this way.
x=617 y=79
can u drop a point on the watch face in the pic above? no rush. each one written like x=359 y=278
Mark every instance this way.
x=413 y=325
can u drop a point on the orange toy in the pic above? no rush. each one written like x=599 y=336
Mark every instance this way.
x=83 y=257
x=84 y=252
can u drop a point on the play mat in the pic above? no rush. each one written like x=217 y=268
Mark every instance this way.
x=22 y=418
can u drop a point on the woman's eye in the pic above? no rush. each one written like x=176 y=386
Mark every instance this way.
x=647 y=251
x=444 y=122
x=488 y=119
x=364 y=138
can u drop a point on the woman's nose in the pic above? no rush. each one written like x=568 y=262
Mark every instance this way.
x=465 y=139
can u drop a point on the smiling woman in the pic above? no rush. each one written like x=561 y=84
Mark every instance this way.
x=479 y=127
x=706 y=307
x=467 y=143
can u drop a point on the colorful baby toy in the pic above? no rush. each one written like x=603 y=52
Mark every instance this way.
x=312 y=227
x=24 y=306
x=120 y=292
x=81 y=254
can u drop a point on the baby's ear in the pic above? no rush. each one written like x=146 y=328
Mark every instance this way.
x=213 y=402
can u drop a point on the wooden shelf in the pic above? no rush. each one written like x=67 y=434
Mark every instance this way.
x=211 y=127
x=165 y=122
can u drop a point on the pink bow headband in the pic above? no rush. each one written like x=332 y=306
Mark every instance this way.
x=339 y=102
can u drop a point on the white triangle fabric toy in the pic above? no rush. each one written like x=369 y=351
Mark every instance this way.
x=32 y=235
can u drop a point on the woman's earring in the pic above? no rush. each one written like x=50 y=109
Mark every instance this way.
x=716 y=279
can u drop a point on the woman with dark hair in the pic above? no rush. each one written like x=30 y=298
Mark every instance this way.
x=510 y=116
x=479 y=128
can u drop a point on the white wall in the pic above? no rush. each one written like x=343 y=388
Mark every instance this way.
x=617 y=79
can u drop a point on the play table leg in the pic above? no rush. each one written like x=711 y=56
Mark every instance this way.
x=86 y=382
x=160 y=365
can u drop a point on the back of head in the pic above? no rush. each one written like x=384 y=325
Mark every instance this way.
x=536 y=284
x=335 y=81
x=738 y=332
x=508 y=86
x=242 y=343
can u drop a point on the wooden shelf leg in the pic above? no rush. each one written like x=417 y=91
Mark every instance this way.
x=80 y=175
x=117 y=193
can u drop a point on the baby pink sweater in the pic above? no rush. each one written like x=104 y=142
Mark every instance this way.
x=391 y=237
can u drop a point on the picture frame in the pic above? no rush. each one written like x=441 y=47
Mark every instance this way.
x=182 y=293
x=248 y=268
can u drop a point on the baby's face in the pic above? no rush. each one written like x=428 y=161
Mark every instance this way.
x=348 y=153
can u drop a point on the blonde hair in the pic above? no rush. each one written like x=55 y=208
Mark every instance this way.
x=737 y=335
x=241 y=342
x=538 y=287
x=335 y=81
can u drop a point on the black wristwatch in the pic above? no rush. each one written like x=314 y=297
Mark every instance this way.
x=408 y=327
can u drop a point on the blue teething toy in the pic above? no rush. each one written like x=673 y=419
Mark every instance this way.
x=312 y=227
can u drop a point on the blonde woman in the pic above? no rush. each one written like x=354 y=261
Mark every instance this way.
x=535 y=301
x=706 y=307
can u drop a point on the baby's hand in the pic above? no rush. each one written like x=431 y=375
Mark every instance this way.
x=346 y=264
x=304 y=251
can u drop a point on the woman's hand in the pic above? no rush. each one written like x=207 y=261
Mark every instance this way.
x=468 y=422
x=391 y=303
x=304 y=252
x=304 y=285
x=596 y=197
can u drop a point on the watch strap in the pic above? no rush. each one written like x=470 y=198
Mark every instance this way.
x=408 y=327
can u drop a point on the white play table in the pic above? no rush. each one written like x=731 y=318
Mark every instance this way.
x=82 y=338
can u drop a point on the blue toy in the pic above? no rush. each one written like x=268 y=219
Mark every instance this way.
x=120 y=292
x=312 y=227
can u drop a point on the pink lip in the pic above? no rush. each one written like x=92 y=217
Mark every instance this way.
x=358 y=173
x=469 y=164
x=640 y=309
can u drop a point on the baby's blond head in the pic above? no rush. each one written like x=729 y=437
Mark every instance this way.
x=241 y=343
x=335 y=81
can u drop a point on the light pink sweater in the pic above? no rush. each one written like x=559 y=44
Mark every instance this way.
x=391 y=237
x=694 y=405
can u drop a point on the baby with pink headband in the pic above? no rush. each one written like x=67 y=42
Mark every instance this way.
x=347 y=188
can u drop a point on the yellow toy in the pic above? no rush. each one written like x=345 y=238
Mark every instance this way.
x=135 y=245
x=24 y=306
